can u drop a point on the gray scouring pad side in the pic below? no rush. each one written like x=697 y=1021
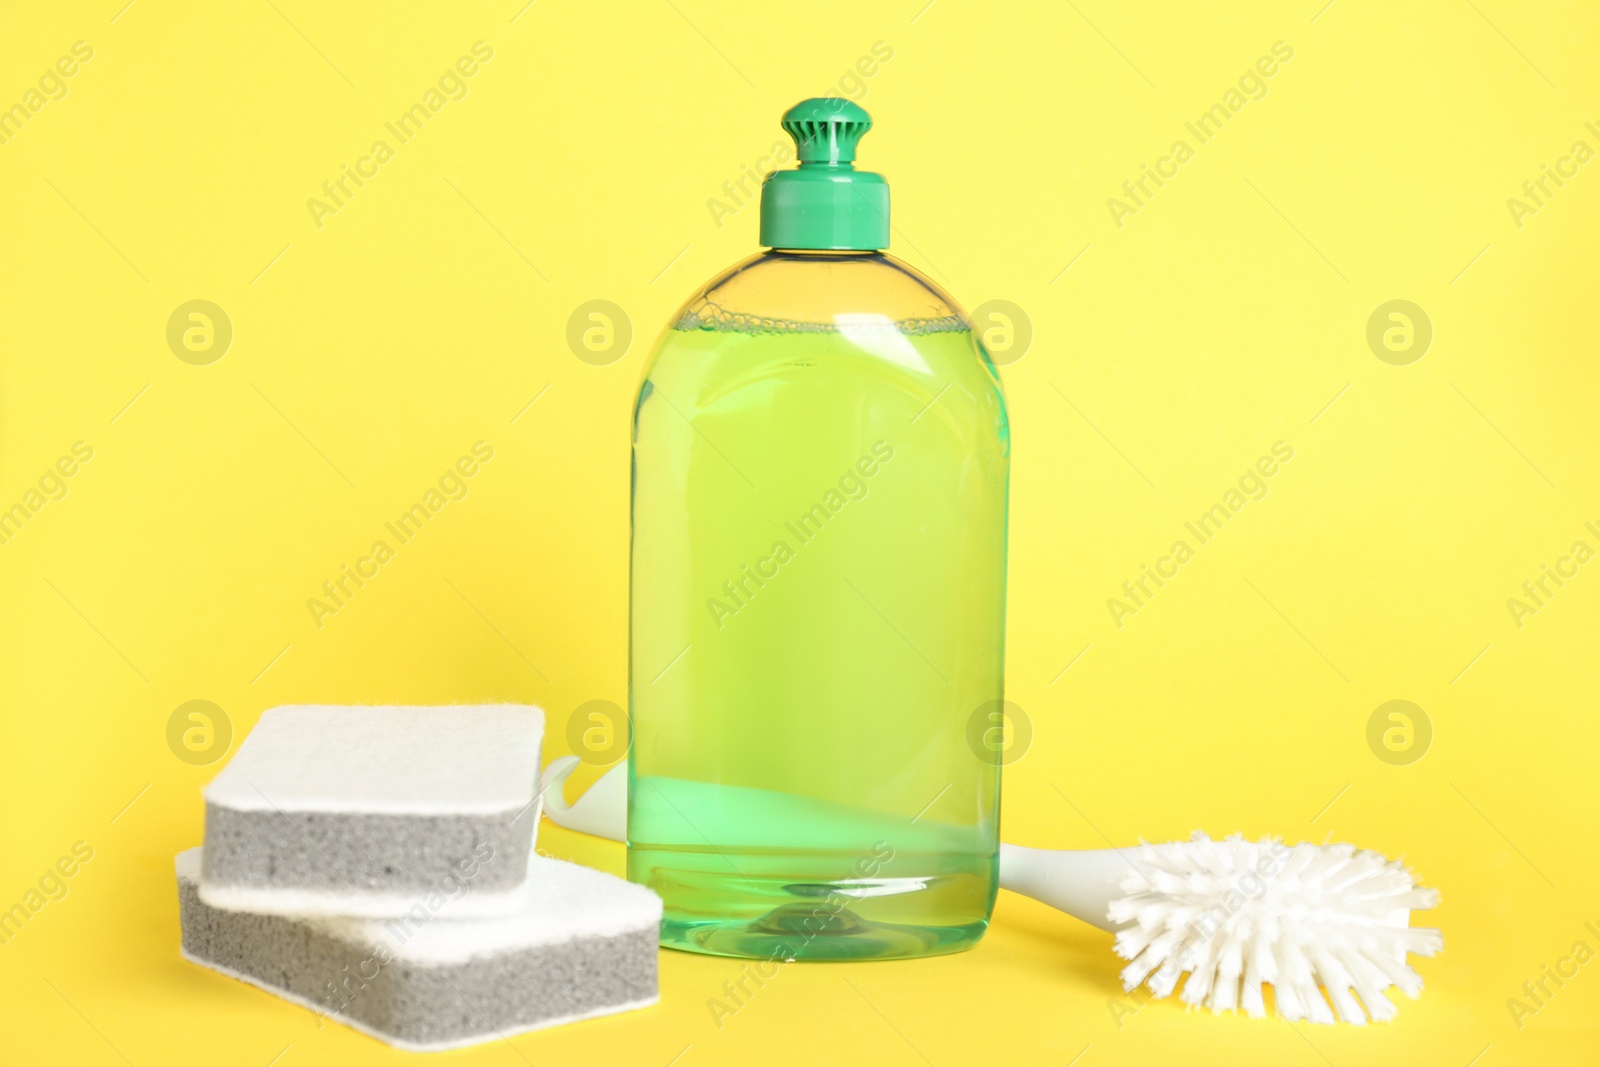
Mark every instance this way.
x=361 y=810
x=582 y=944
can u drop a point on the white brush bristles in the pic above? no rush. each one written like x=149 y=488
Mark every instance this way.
x=1307 y=920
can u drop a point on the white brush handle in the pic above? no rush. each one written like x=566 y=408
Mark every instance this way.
x=1082 y=884
x=601 y=811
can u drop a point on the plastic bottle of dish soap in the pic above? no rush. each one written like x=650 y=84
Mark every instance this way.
x=820 y=462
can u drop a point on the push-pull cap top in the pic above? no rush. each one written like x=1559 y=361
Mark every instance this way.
x=825 y=203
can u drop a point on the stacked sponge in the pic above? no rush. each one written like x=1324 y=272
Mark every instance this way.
x=377 y=864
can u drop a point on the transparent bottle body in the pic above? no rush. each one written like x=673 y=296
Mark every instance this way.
x=821 y=457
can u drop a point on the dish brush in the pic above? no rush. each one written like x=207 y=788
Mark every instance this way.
x=1326 y=926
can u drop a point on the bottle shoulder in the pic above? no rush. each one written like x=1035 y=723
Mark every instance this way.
x=848 y=305
x=777 y=290
x=849 y=330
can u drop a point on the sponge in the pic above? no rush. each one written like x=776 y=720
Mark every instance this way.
x=581 y=944
x=362 y=811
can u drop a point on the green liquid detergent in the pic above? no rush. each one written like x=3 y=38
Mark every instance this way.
x=817 y=591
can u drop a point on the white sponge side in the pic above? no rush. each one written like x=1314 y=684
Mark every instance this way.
x=559 y=902
x=385 y=760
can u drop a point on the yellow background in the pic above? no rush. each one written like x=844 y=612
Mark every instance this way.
x=1228 y=313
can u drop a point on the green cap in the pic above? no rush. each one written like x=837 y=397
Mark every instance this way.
x=825 y=202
